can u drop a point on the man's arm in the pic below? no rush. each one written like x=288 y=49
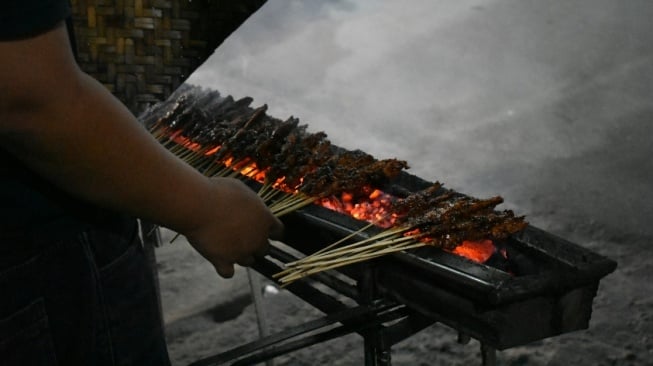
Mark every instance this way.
x=69 y=128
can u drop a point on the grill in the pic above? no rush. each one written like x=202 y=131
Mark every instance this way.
x=544 y=286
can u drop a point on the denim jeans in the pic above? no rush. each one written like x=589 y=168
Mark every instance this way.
x=78 y=298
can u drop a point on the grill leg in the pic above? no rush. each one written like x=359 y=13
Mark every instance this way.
x=376 y=353
x=489 y=355
x=151 y=239
x=261 y=318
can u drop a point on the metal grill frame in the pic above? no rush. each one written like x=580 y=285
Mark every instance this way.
x=429 y=285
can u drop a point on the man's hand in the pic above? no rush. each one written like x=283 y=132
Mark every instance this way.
x=235 y=228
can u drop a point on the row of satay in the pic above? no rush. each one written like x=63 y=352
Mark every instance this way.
x=224 y=131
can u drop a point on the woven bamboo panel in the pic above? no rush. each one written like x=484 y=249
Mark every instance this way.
x=142 y=50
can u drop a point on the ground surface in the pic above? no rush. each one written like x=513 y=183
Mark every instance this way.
x=548 y=104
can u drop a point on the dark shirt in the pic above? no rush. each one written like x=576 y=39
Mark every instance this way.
x=27 y=201
x=74 y=282
x=24 y=18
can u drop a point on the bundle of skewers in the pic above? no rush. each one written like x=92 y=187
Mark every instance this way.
x=296 y=168
x=431 y=217
x=226 y=138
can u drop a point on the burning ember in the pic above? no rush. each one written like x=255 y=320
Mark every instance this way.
x=478 y=251
x=375 y=208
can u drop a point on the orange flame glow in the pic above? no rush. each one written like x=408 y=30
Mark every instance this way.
x=185 y=142
x=212 y=151
x=375 y=208
x=478 y=251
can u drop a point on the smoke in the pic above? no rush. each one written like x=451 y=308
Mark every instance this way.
x=518 y=98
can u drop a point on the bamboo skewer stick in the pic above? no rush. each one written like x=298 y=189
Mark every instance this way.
x=301 y=274
x=327 y=252
x=294 y=208
x=265 y=188
x=333 y=245
x=286 y=201
x=273 y=194
x=198 y=160
x=327 y=256
x=381 y=235
x=287 y=207
x=330 y=259
x=362 y=250
x=234 y=174
x=187 y=155
x=218 y=170
x=382 y=248
x=176 y=149
x=158 y=132
x=268 y=193
x=342 y=250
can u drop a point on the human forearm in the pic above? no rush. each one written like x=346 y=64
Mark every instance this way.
x=70 y=129
x=87 y=143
